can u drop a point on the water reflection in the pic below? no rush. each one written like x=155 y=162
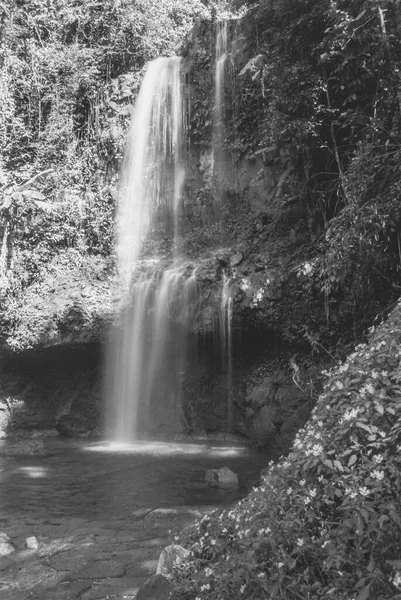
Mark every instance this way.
x=34 y=472
x=168 y=449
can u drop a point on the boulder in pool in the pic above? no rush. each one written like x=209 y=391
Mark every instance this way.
x=6 y=546
x=170 y=556
x=222 y=478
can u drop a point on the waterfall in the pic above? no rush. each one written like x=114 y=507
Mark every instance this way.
x=226 y=342
x=150 y=347
x=219 y=78
x=148 y=354
x=152 y=352
x=153 y=172
x=224 y=81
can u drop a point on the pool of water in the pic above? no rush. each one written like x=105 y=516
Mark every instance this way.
x=89 y=480
x=82 y=491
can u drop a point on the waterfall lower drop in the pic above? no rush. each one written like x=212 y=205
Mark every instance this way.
x=149 y=350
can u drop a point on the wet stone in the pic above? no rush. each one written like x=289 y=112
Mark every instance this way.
x=67 y=561
x=170 y=556
x=67 y=590
x=236 y=259
x=100 y=570
x=223 y=478
x=35 y=577
x=110 y=590
x=6 y=547
x=155 y=588
x=32 y=543
x=141 y=513
x=58 y=546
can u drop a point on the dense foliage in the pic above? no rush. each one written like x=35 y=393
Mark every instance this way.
x=325 y=522
x=320 y=96
x=68 y=74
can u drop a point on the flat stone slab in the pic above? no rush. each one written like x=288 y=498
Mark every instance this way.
x=66 y=590
x=32 y=577
x=125 y=587
x=99 y=570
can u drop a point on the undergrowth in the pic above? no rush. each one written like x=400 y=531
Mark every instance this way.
x=325 y=522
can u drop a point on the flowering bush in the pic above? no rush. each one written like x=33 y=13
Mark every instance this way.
x=325 y=522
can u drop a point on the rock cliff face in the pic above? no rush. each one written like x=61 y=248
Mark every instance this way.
x=245 y=231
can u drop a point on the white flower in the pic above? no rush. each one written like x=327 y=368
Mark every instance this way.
x=261 y=575
x=350 y=414
x=242 y=588
x=280 y=564
x=289 y=490
x=208 y=572
x=364 y=491
x=397 y=579
x=378 y=474
x=205 y=586
x=312 y=493
x=302 y=482
x=378 y=458
x=307 y=500
x=300 y=542
x=320 y=423
x=317 y=449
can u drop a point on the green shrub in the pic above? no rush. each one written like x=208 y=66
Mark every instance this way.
x=325 y=523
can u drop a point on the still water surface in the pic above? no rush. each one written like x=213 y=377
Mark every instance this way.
x=102 y=514
x=92 y=480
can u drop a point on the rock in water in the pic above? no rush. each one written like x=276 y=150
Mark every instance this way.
x=155 y=588
x=6 y=546
x=32 y=543
x=224 y=478
x=236 y=259
x=171 y=555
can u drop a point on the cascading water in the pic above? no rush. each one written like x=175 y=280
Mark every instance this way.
x=219 y=112
x=153 y=172
x=149 y=352
x=226 y=342
x=219 y=81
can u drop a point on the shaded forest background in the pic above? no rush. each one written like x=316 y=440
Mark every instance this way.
x=322 y=96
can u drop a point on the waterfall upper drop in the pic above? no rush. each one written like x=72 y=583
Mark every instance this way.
x=219 y=77
x=153 y=172
x=149 y=352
